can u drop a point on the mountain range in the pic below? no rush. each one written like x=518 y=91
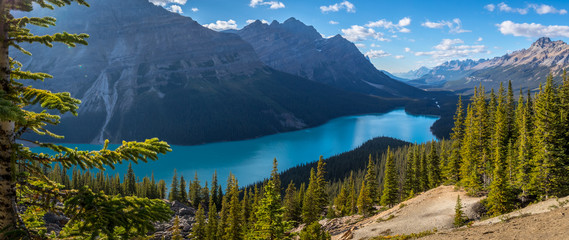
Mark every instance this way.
x=298 y=49
x=413 y=74
x=526 y=68
x=148 y=72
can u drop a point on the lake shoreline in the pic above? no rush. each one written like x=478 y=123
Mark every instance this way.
x=251 y=160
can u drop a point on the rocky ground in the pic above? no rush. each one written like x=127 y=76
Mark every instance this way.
x=185 y=213
x=434 y=211
x=548 y=225
x=430 y=210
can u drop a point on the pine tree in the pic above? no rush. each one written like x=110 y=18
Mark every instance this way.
x=162 y=189
x=341 y=200
x=371 y=182
x=321 y=183
x=500 y=196
x=352 y=199
x=176 y=229
x=471 y=158
x=275 y=176
x=459 y=217
x=212 y=223
x=408 y=185
x=482 y=132
x=452 y=170
x=365 y=203
x=524 y=151
x=19 y=119
x=390 y=186
x=314 y=231
x=246 y=210
x=511 y=114
x=130 y=181
x=310 y=209
x=174 y=194
x=233 y=230
x=154 y=188
x=223 y=216
x=292 y=205
x=418 y=174
x=204 y=195
x=183 y=193
x=256 y=199
x=434 y=170
x=199 y=227
x=564 y=136
x=215 y=198
x=546 y=172
x=424 y=177
x=270 y=223
x=195 y=191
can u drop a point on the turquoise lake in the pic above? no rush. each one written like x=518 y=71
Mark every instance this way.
x=251 y=160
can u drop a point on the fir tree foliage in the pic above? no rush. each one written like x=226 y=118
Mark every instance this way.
x=314 y=231
x=390 y=187
x=199 y=228
x=459 y=217
x=18 y=117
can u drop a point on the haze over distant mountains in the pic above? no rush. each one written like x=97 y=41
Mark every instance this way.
x=413 y=74
x=526 y=68
x=148 y=72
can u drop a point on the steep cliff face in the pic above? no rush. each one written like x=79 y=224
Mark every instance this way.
x=298 y=49
x=148 y=72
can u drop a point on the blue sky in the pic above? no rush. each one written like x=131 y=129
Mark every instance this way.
x=399 y=36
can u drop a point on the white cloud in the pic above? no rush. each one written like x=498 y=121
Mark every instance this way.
x=262 y=21
x=406 y=21
x=375 y=45
x=195 y=9
x=358 y=33
x=376 y=54
x=546 y=9
x=220 y=25
x=407 y=49
x=455 y=26
x=538 y=8
x=333 y=22
x=532 y=29
x=479 y=39
x=339 y=6
x=163 y=3
x=450 y=49
x=505 y=8
x=175 y=9
x=360 y=45
x=399 y=26
x=271 y=4
x=399 y=57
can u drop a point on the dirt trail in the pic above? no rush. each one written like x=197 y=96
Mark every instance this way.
x=435 y=209
x=552 y=225
x=544 y=220
x=432 y=209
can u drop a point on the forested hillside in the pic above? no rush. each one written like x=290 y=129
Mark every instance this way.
x=495 y=150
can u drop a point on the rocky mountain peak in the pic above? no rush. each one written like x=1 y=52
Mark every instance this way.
x=542 y=42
